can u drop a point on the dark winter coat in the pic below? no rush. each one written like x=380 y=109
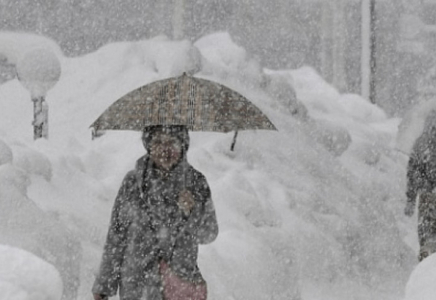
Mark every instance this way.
x=421 y=170
x=147 y=226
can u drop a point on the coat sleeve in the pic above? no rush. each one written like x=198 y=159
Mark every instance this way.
x=108 y=277
x=203 y=224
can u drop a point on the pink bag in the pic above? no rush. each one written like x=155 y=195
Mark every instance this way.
x=176 y=288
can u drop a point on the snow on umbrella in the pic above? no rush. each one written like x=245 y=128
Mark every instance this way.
x=198 y=104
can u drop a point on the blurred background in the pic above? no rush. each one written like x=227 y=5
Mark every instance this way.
x=280 y=34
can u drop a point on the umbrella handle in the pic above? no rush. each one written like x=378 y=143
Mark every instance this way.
x=232 y=147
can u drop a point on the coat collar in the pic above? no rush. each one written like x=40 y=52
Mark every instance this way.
x=143 y=164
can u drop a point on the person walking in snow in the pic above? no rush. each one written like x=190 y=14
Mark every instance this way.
x=162 y=212
x=421 y=182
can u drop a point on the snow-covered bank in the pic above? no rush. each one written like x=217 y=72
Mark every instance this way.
x=24 y=276
x=421 y=283
x=297 y=213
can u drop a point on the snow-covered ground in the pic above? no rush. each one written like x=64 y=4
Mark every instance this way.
x=313 y=211
x=421 y=283
x=25 y=276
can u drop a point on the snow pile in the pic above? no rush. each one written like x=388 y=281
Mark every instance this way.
x=313 y=210
x=25 y=225
x=32 y=162
x=161 y=55
x=365 y=122
x=223 y=59
x=5 y=153
x=24 y=276
x=14 y=45
x=413 y=124
x=38 y=70
x=421 y=283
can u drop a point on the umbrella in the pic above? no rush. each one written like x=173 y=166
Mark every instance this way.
x=198 y=104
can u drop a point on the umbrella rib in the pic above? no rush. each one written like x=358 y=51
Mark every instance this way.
x=179 y=105
x=183 y=100
x=212 y=112
x=165 y=95
x=170 y=99
x=155 y=111
x=191 y=106
x=174 y=101
x=198 y=106
x=149 y=112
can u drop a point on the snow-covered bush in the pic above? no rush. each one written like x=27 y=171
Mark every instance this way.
x=224 y=59
x=279 y=86
x=334 y=138
x=161 y=55
x=15 y=179
x=24 y=225
x=32 y=162
x=5 y=153
x=14 y=45
x=361 y=109
x=24 y=276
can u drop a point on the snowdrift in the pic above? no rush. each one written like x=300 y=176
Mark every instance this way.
x=421 y=282
x=311 y=211
x=24 y=276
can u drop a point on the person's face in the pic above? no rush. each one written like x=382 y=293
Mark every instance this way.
x=165 y=150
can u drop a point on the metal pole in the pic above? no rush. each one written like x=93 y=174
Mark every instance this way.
x=366 y=49
x=40 y=118
x=339 y=37
x=368 y=54
x=45 y=118
x=326 y=41
x=232 y=147
x=373 y=51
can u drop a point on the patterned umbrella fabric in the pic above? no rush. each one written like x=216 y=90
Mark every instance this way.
x=199 y=104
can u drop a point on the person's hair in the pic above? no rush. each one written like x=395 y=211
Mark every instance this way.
x=178 y=131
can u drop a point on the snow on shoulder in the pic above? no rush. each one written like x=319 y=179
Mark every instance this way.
x=421 y=282
x=24 y=276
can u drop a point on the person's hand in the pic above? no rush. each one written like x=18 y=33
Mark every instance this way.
x=100 y=297
x=409 y=209
x=186 y=201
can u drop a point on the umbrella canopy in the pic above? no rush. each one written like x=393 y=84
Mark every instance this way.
x=198 y=104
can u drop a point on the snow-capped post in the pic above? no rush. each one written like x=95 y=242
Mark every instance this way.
x=38 y=71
